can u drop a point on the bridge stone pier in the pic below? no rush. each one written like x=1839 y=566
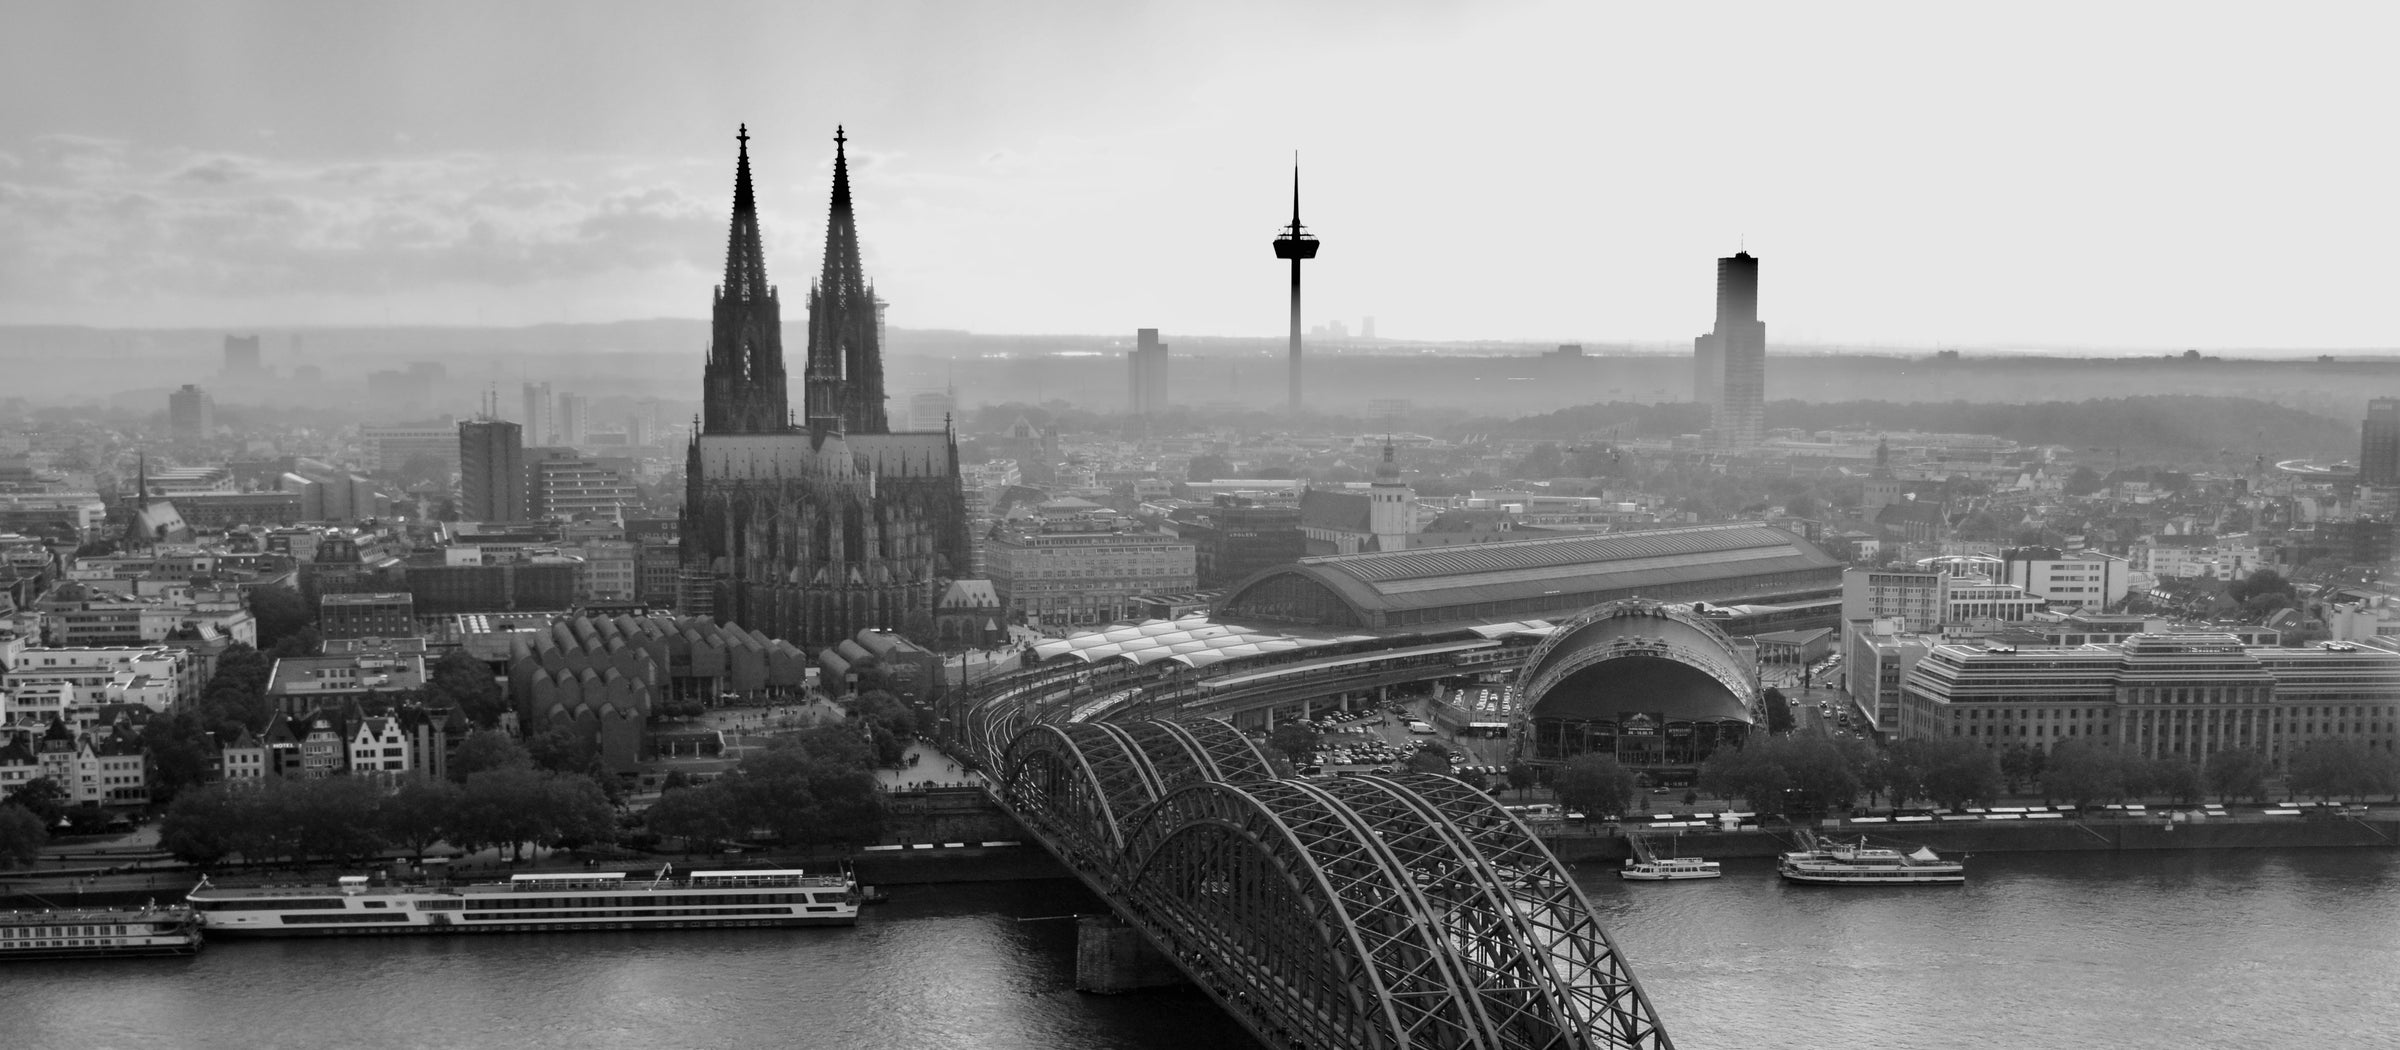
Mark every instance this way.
x=1370 y=912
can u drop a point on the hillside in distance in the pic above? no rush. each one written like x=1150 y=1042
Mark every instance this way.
x=2228 y=432
x=1411 y=384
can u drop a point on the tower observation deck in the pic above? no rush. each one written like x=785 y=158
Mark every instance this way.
x=1295 y=243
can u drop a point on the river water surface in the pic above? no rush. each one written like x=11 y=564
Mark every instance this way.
x=2184 y=950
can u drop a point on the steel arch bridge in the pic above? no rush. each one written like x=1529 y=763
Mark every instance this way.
x=1369 y=912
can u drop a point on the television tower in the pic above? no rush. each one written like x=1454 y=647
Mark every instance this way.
x=1295 y=244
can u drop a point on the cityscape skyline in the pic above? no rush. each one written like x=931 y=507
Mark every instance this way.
x=299 y=180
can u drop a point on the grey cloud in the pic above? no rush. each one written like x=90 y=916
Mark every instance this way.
x=218 y=171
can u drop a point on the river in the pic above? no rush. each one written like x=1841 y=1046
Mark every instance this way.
x=2037 y=952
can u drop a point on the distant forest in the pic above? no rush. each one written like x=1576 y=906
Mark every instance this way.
x=2181 y=430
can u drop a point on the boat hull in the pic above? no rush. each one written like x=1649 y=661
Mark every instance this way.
x=466 y=928
x=98 y=934
x=1660 y=876
x=528 y=904
x=1874 y=878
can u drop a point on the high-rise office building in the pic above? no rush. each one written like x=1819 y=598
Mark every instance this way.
x=574 y=419
x=1732 y=359
x=2379 y=443
x=241 y=355
x=929 y=411
x=491 y=470
x=541 y=414
x=191 y=414
x=1708 y=370
x=1146 y=370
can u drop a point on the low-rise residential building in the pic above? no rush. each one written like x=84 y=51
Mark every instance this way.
x=55 y=684
x=94 y=768
x=2085 y=579
x=367 y=615
x=378 y=745
x=304 y=683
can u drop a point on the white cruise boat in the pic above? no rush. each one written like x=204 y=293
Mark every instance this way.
x=81 y=933
x=1647 y=866
x=1845 y=864
x=530 y=903
x=1668 y=869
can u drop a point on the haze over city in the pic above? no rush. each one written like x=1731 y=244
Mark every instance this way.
x=2129 y=177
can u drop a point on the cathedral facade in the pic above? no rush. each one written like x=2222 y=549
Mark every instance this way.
x=811 y=531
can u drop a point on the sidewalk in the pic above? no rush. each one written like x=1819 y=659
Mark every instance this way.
x=932 y=768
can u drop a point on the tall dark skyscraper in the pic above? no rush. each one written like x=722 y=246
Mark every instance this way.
x=1734 y=357
x=1146 y=374
x=812 y=534
x=743 y=387
x=845 y=341
x=2379 y=443
x=1295 y=244
x=491 y=470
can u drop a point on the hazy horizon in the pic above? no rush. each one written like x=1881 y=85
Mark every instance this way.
x=2061 y=179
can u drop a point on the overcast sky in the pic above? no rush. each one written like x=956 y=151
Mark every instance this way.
x=2114 y=175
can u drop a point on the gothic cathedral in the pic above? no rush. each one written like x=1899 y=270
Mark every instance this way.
x=816 y=531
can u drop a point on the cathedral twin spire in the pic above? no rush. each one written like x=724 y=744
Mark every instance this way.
x=845 y=337
x=745 y=388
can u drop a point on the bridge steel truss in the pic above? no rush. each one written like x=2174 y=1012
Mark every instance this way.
x=1370 y=912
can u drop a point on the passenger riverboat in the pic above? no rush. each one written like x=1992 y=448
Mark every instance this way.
x=1668 y=869
x=531 y=903
x=84 y=933
x=1847 y=864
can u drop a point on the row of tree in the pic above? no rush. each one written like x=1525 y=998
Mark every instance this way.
x=807 y=788
x=346 y=819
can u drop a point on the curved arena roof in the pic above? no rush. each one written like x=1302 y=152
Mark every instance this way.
x=1638 y=656
x=1520 y=579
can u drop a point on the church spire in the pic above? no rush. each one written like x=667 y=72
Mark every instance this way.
x=743 y=391
x=745 y=260
x=845 y=345
x=842 y=275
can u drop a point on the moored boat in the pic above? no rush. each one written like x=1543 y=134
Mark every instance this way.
x=1858 y=864
x=531 y=903
x=83 y=933
x=1668 y=869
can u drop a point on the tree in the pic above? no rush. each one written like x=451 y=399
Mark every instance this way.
x=561 y=749
x=1956 y=771
x=2329 y=769
x=1295 y=740
x=42 y=797
x=804 y=799
x=1427 y=760
x=2021 y=764
x=236 y=694
x=418 y=815
x=1779 y=711
x=2083 y=482
x=22 y=836
x=2083 y=773
x=203 y=827
x=462 y=681
x=700 y=816
x=2236 y=773
x=1208 y=467
x=336 y=817
x=1545 y=461
x=1520 y=777
x=485 y=750
x=181 y=752
x=509 y=806
x=280 y=611
x=1596 y=785
x=2178 y=778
